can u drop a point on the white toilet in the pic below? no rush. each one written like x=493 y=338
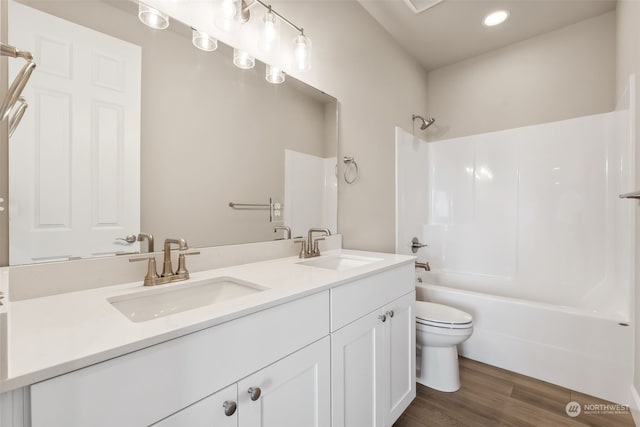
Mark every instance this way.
x=439 y=329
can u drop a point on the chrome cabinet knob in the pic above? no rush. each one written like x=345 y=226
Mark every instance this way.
x=390 y=313
x=383 y=317
x=255 y=393
x=229 y=407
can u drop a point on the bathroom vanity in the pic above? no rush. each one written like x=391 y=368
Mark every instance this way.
x=323 y=342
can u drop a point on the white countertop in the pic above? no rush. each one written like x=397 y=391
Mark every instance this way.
x=53 y=335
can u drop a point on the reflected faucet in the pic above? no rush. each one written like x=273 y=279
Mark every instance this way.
x=149 y=237
x=287 y=231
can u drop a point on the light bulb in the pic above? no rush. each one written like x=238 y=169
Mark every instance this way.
x=203 y=41
x=271 y=32
x=242 y=59
x=274 y=75
x=152 y=17
x=226 y=18
x=302 y=52
x=495 y=18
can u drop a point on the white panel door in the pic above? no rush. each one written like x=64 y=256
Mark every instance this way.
x=294 y=392
x=74 y=161
x=217 y=410
x=358 y=372
x=402 y=357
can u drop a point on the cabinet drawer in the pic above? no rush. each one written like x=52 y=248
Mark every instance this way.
x=353 y=300
x=142 y=387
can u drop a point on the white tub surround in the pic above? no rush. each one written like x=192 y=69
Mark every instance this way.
x=88 y=346
x=526 y=232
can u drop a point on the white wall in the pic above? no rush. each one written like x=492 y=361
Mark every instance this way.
x=563 y=74
x=628 y=61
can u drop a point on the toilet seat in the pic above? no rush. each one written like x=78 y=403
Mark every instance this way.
x=442 y=316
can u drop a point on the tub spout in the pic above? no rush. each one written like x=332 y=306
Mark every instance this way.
x=424 y=265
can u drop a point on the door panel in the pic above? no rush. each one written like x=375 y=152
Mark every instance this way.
x=358 y=365
x=294 y=391
x=402 y=356
x=74 y=161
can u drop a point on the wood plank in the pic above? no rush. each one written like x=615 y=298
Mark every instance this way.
x=491 y=396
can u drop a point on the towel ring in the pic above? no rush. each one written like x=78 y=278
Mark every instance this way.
x=350 y=161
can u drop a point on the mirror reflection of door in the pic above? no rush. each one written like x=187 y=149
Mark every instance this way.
x=74 y=161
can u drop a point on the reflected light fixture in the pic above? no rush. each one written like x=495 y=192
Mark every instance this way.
x=271 y=30
x=274 y=75
x=302 y=51
x=203 y=41
x=242 y=59
x=226 y=16
x=495 y=18
x=152 y=17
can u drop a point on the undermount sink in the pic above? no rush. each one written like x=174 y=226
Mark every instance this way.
x=153 y=303
x=340 y=262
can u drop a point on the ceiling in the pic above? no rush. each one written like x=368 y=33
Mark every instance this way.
x=452 y=30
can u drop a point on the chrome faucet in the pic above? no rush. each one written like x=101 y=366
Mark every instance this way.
x=287 y=231
x=152 y=278
x=310 y=248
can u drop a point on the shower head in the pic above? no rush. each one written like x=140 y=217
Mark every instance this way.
x=425 y=123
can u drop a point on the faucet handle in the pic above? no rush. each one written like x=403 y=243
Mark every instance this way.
x=303 y=248
x=316 y=248
x=151 y=277
x=182 y=265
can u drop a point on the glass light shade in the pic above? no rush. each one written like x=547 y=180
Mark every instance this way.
x=302 y=52
x=495 y=18
x=274 y=75
x=242 y=59
x=271 y=31
x=152 y=17
x=226 y=16
x=203 y=41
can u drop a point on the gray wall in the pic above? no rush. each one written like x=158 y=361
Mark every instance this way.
x=628 y=62
x=378 y=86
x=563 y=74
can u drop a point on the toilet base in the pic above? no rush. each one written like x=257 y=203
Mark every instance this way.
x=441 y=372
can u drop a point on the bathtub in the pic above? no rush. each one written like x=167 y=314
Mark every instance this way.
x=572 y=347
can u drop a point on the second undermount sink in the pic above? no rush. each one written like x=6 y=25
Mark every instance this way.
x=340 y=262
x=153 y=303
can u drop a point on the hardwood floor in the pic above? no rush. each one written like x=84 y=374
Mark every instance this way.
x=492 y=396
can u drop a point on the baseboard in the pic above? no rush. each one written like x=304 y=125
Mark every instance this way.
x=635 y=406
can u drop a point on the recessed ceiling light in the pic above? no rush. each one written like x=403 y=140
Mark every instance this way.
x=495 y=18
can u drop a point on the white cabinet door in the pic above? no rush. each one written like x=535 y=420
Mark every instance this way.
x=293 y=392
x=358 y=360
x=217 y=410
x=400 y=388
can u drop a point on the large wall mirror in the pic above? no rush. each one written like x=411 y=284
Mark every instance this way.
x=131 y=130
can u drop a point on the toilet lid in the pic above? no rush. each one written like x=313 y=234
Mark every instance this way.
x=429 y=313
